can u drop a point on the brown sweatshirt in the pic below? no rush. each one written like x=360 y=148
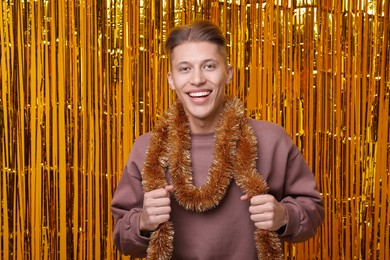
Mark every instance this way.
x=225 y=232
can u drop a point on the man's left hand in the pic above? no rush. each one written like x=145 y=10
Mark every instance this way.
x=266 y=212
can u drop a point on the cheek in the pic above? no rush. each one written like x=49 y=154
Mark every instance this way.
x=178 y=83
x=220 y=81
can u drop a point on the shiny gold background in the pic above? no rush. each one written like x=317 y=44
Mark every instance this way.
x=81 y=79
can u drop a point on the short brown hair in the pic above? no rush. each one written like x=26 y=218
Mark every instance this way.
x=198 y=31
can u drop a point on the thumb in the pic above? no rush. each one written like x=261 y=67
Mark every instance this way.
x=169 y=188
x=244 y=197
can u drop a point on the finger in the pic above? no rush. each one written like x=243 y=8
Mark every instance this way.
x=161 y=218
x=261 y=199
x=261 y=208
x=157 y=211
x=261 y=217
x=158 y=219
x=263 y=221
x=158 y=193
x=266 y=225
x=157 y=202
x=151 y=222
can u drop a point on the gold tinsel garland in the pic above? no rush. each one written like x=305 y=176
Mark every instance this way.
x=80 y=80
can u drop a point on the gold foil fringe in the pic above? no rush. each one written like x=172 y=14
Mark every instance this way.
x=80 y=80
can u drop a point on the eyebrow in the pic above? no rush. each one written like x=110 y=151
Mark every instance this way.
x=202 y=62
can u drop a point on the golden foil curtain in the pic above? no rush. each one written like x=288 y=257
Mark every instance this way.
x=81 y=79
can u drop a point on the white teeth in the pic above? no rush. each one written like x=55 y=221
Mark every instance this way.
x=199 y=94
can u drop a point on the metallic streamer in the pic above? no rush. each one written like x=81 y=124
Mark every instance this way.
x=80 y=80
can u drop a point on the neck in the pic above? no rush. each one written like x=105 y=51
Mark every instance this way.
x=205 y=125
x=202 y=127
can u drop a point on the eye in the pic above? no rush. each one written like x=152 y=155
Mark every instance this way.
x=184 y=69
x=210 y=66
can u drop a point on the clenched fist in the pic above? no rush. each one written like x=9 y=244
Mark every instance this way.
x=156 y=209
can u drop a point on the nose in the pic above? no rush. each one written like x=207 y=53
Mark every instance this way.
x=197 y=78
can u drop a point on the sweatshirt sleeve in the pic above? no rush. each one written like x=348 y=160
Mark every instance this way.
x=302 y=200
x=290 y=181
x=126 y=205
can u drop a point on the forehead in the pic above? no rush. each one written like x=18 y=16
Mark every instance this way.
x=197 y=52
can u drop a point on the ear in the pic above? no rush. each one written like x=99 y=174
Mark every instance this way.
x=170 y=81
x=229 y=74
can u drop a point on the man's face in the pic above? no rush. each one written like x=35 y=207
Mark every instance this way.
x=198 y=75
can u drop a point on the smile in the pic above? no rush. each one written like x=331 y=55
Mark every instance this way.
x=199 y=94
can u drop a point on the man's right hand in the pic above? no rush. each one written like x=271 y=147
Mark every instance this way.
x=157 y=208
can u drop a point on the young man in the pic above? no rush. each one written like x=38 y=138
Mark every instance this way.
x=207 y=178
